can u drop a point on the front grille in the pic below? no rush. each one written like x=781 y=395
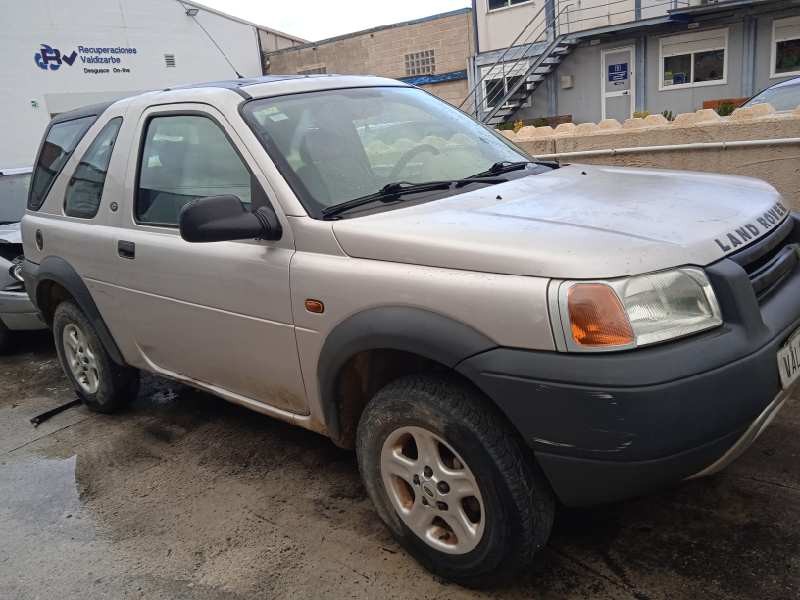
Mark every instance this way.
x=770 y=260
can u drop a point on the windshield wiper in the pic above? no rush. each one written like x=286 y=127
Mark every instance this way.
x=393 y=192
x=506 y=166
x=503 y=166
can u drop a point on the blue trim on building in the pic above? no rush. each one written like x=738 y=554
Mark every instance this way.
x=437 y=78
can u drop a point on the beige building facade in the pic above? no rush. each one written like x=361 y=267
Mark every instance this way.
x=431 y=52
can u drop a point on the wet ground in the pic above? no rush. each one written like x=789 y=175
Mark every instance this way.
x=185 y=496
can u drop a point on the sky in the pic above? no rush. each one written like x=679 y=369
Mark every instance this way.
x=319 y=19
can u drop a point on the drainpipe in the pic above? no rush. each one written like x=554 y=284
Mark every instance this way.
x=637 y=10
x=749 y=57
x=475 y=26
x=549 y=17
x=640 y=71
x=550 y=81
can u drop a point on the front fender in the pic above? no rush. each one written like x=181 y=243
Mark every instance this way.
x=427 y=334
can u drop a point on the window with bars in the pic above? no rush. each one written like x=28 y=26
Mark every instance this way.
x=318 y=70
x=421 y=63
x=498 y=80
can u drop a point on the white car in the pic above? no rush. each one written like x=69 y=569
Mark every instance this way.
x=783 y=96
x=17 y=312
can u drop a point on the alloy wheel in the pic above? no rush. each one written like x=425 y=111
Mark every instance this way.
x=83 y=363
x=433 y=490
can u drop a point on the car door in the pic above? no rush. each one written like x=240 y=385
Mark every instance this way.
x=217 y=314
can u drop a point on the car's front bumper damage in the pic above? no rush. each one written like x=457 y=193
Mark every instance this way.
x=608 y=426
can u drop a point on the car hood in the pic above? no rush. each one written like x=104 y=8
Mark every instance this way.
x=10 y=234
x=578 y=221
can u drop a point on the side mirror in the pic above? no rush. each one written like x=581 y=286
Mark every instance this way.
x=224 y=219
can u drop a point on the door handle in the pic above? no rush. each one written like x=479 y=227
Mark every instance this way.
x=126 y=249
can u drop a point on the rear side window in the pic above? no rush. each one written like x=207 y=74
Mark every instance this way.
x=85 y=187
x=186 y=157
x=55 y=152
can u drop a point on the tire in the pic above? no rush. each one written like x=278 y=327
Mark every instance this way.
x=5 y=338
x=102 y=385
x=511 y=516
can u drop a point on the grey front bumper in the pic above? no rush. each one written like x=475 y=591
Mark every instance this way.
x=753 y=432
x=18 y=313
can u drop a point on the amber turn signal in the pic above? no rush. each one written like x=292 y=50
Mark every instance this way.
x=597 y=317
x=315 y=306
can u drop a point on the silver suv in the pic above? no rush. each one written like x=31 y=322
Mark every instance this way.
x=492 y=334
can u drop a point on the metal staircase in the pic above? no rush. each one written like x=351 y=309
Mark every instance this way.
x=535 y=53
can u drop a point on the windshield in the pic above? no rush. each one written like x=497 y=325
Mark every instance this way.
x=337 y=145
x=782 y=96
x=13 y=197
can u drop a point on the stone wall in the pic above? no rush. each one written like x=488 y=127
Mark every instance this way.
x=777 y=164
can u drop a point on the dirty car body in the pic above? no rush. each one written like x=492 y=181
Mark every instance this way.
x=17 y=312
x=630 y=326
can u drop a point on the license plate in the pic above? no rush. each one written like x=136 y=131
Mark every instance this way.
x=789 y=360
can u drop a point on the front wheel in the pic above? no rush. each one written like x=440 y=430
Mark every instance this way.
x=452 y=480
x=103 y=385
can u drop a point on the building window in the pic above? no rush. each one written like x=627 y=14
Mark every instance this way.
x=498 y=4
x=694 y=59
x=421 y=63
x=498 y=81
x=169 y=60
x=785 y=47
x=318 y=70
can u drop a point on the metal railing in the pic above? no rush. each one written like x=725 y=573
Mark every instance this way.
x=542 y=32
x=583 y=16
x=537 y=31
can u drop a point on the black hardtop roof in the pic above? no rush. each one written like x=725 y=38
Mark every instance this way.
x=235 y=85
x=93 y=110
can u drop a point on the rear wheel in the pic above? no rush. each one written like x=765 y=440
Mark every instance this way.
x=103 y=385
x=452 y=480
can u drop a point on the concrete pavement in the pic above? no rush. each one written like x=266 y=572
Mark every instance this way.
x=186 y=496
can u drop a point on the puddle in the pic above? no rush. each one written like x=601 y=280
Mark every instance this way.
x=39 y=488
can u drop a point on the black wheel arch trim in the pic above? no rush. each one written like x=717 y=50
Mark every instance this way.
x=422 y=332
x=58 y=270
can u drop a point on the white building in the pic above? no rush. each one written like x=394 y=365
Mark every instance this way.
x=62 y=54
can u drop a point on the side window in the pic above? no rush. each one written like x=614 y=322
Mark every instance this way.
x=57 y=148
x=186 y=157
x=85 y=187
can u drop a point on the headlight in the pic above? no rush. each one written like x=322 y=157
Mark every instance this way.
x=637 y=311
